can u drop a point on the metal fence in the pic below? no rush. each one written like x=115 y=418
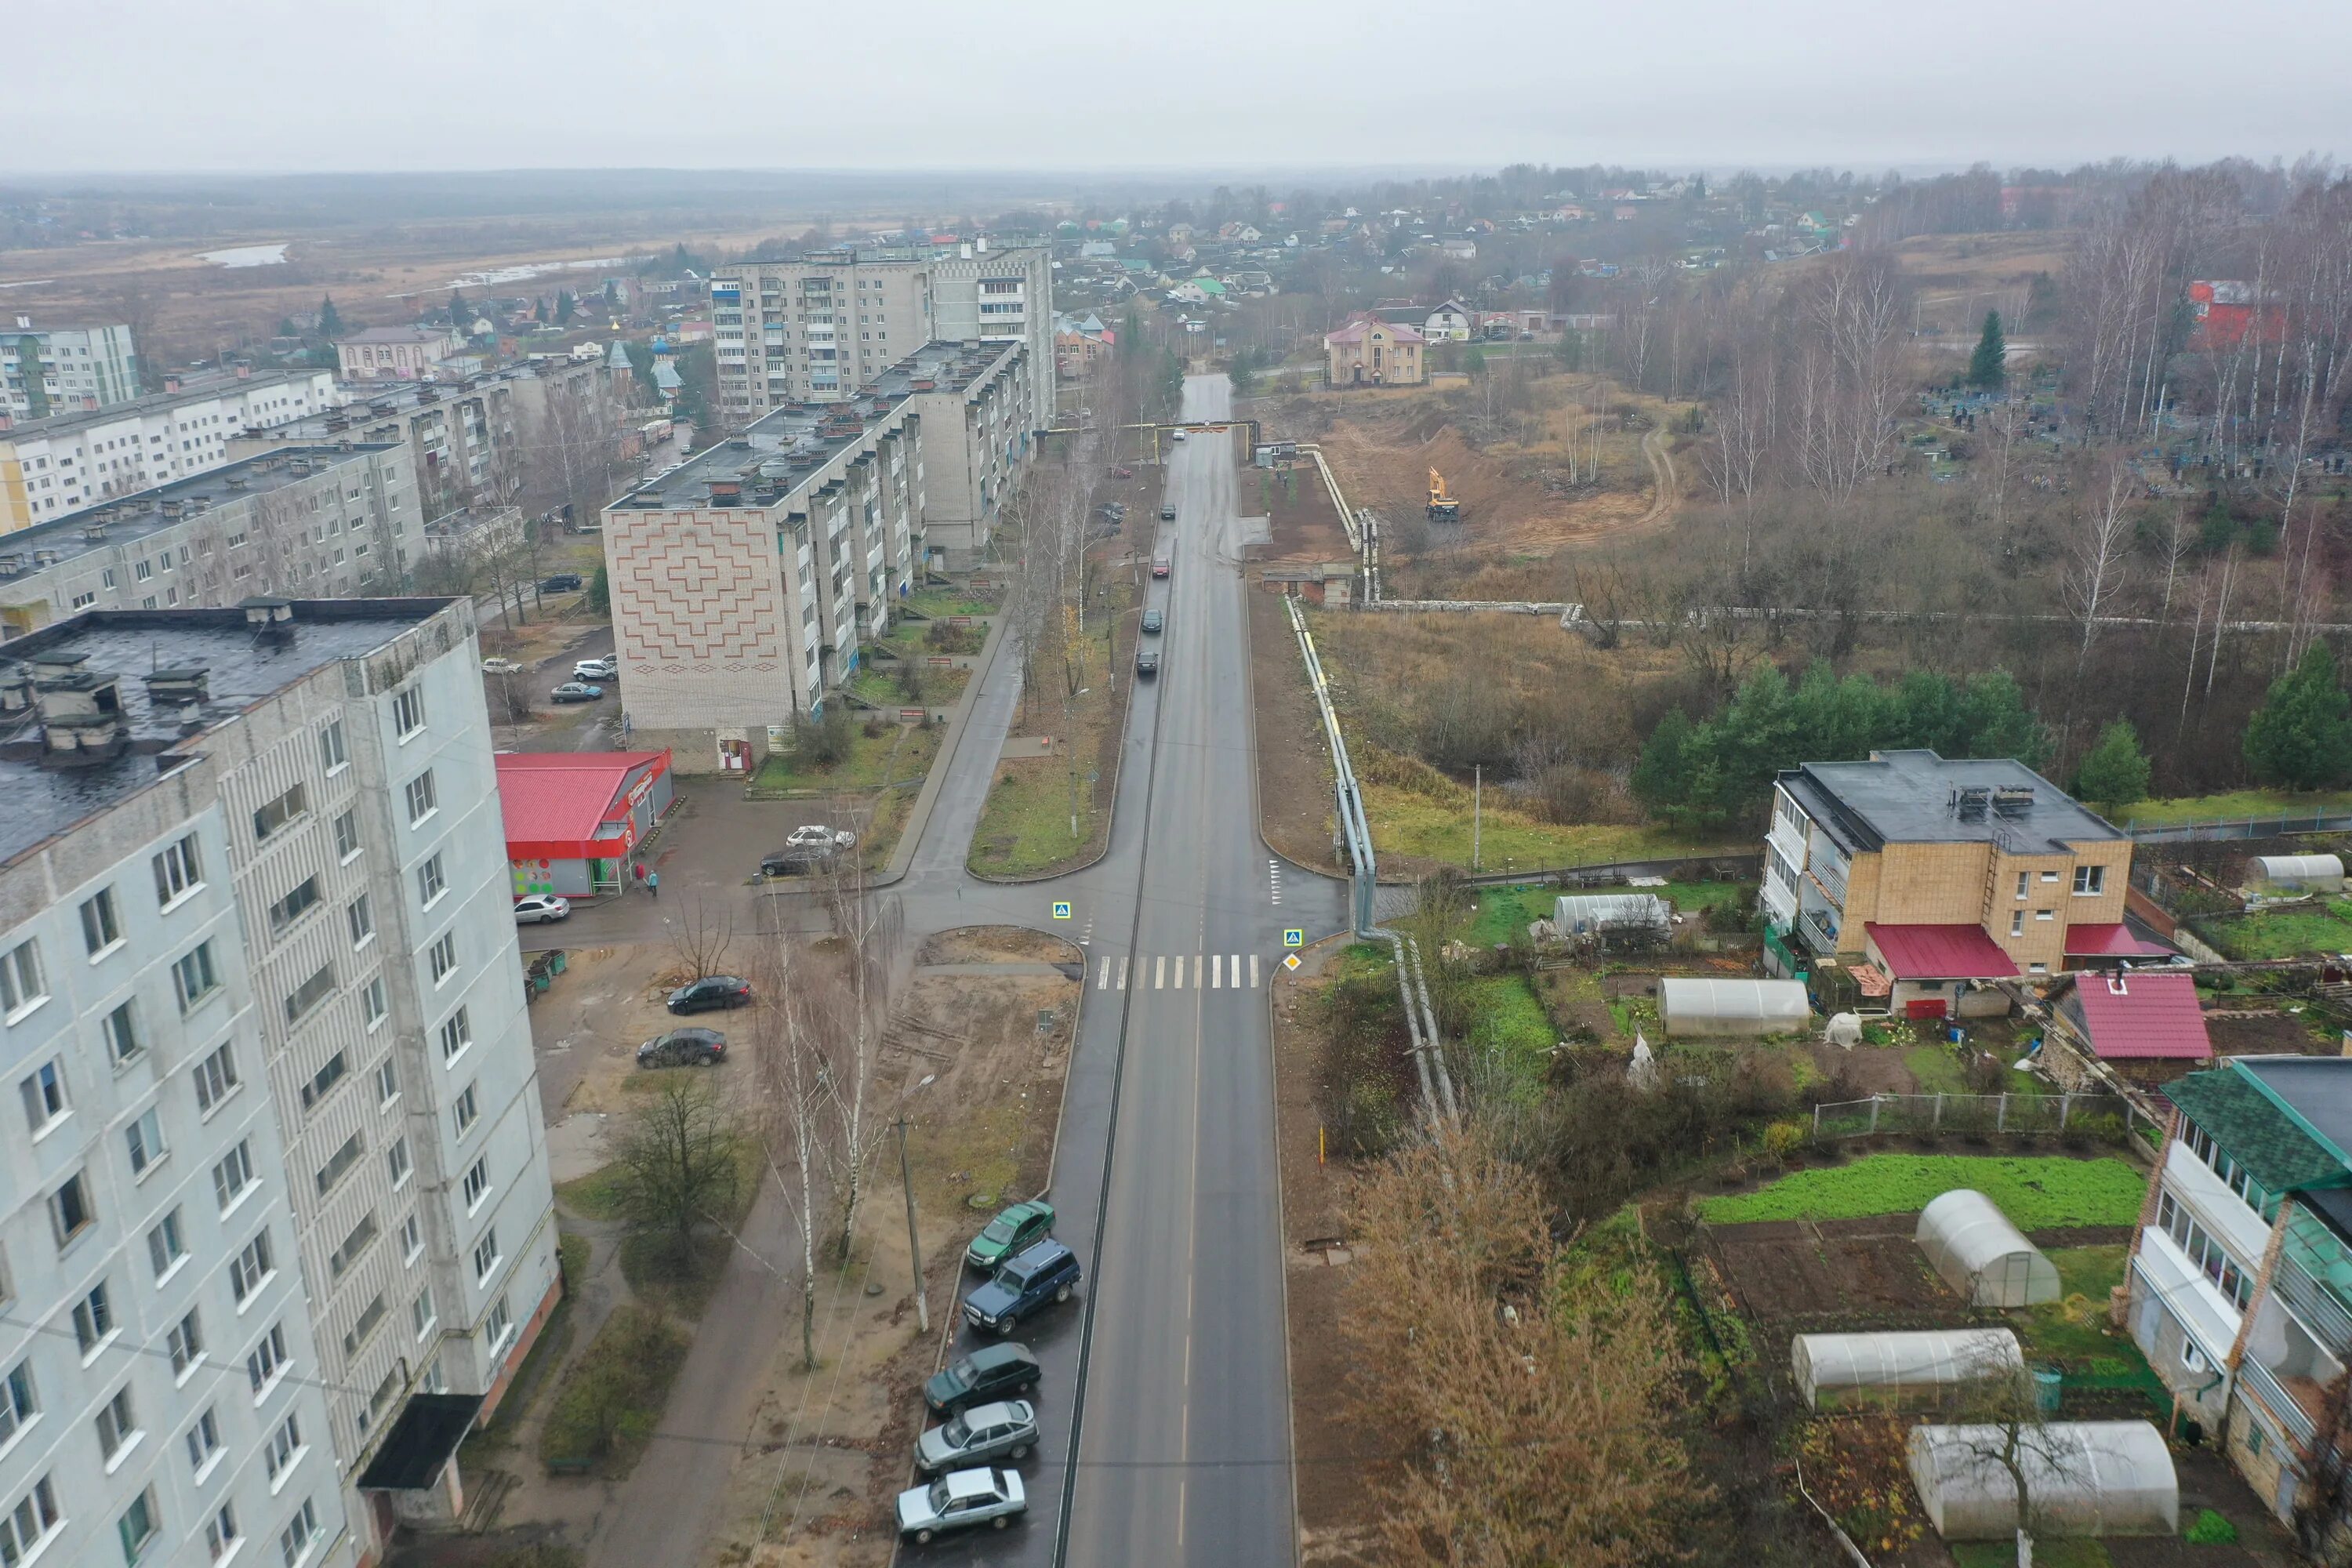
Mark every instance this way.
x=1974 y=1114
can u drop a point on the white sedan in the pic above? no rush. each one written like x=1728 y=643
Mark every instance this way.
x=602 y=669
x=539 y=908
x=815 y=836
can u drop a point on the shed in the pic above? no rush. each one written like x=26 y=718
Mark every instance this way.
x=1698 y=1006
x=1972 y=1246
x=1590 y=914
x=2082 y=1477
x=2312 y=873
x=1922 y=1367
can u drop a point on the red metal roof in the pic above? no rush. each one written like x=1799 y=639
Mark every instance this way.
x=553 y=802
x=2114 y=940
x=2139 y=1013
x=1939 y=952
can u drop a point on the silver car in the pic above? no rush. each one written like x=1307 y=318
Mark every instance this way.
x=1006 y=1430
x=959 y=1500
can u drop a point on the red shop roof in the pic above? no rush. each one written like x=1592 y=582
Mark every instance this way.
x=1939 y=952
x=560 y=798
x=2139 y=1013
x=2110 y=941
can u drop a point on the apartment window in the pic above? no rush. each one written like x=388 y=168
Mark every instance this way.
x=337 y=1067
x=2045 y=914
x=500 y=1324
x=2204 y=1252
x=220 y=1531
x=144 y=1138
x=177 y=872
x=21 y=985
x=478 y=1182
x=411 y=1240
x=203 y=1441
x=294 y=1543
x=444 y=956
x=2090 y=880
x=362 y=1237
x=372 y=1001
x=122 y=1033
x=408 y=711
x=94 y=1319
x=456 y=1035
x=44 y=1090
x=70 y=1209
x=332 y=754
x=279 y=812
x=486 y=1255
x=465 y=1109
x=137 y=1526
x=187 y=1345
x=115 y=1425
x=293 y=906
x=396 y=1162
x=363 y=1328
x=99 y=928
x=387 y=1082
x=423 y=799
x=29 y=1525
x=337 y=1162
x=266 y=1360
x=193 y=977
x=17 y=1405
x=253 y=1265
x=310 y=994
x=430 y=883
x=165 y=1246
x=233 y=1177
x=347 y=836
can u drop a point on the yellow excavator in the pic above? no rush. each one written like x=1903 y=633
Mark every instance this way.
x=1442 y=507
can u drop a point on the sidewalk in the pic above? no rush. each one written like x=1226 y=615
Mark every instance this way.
x=918 y=816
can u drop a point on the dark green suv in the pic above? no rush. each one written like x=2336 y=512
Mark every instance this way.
x=991 y=1373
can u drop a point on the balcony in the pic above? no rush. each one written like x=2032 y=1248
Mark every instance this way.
x=2285 y=1408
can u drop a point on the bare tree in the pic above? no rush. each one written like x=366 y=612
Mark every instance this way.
x=2004 y=1436
x=871 y=932
x=2095 y=576
x=676 y=1161
x=701 y=936
x=793 y=1088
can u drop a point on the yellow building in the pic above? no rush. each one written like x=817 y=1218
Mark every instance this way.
x=1368 y=352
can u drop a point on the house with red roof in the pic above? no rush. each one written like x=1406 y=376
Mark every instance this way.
x=573 y=818
x=2146 y=1024
x=1370 y=351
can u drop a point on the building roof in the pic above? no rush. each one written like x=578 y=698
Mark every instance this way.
x=421 y=1442
x=1939 y=952
x=2231 y=1104
x=2139 y=1015
x=1353 y=333
x=562 y=797
x=2315 y=1092
x=397 y=335
x=2116 y=940
x=211 y=390
x=1918 y=797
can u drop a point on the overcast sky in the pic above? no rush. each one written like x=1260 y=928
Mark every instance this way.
x=267 y=85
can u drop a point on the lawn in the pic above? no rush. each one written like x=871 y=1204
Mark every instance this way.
x=1504 y=913
x=1407 y=822
x=2054 y=1332
x=932 y=603
x=901 y=753
x=1508 y=1021
x=2282 y=934
x=1025 y=827
x=2036 y=1192
x=2237 y=804
x=597 y=1194
x=611 y=1399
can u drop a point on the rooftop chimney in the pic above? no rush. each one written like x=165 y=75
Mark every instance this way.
x=81 y=710
x=272 y=618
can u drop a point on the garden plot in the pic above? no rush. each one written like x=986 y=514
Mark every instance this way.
x=1794 y=1276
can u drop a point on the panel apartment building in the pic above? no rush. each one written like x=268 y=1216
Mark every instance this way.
x=830 y=323
x=746 y=582
x=55 y=467
x=327 y=520
x=1932 y=877
x=278 y=1224
x=61 y=370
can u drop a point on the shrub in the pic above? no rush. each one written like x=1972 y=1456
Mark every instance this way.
x=828 y=743
x=2210 y=1529
x=611 y=1399
x=1783 y=1139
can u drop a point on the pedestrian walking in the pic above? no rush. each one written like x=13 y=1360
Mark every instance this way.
x=639 y=872
x=653 y=883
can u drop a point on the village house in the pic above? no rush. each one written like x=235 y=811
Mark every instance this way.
x=1369 y=352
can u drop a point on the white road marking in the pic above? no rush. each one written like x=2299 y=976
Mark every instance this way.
x=1102 y=981
x=1122 y=974
x=1216 y=971
x=1252 y=972
x=1179 y=971
x=1160 y=973
x=1237 y=972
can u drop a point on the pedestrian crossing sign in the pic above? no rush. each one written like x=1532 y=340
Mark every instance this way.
x=1061 y=908
x=1294 y=937
x=1289 y=960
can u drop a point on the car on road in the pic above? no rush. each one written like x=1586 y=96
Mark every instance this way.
x=816 y=835
x=561 y=583
x=576 y=691
x=1048 y=1272
x=1178 y=436
x=958 y=1501
x=1147 y=663
x=684 y=1047
x=537 y=909
x=602 y=669
x=500 y=666
x=1152 y=622
x=1163 y=561
x=1007 y=1430
x=710 y=993
x=1013 y=1231
x=1168 y=512
x=989 y=1372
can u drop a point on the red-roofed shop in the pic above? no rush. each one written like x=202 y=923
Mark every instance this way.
x=574 y=817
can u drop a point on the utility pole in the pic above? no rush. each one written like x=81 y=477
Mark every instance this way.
x=1477 y=808
x=914 y=1246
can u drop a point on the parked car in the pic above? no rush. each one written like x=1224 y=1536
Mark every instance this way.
x=576 y=691
x=710 y=993
x=684 y=1047
x=1168 y=511
x=1007 y=1430
x=500 y=666
x=539 y=908
x=804 y=862
x=1013 y=1231
x=1147 y=663
x=958 y=1501
x=1122 y=473
x=1047 y=1272
x=1151 y=622
x=1178 y=436
x=1163 y=561
x=602 y=669
x=992 y=1371
x=813 y=835
x=561 y=583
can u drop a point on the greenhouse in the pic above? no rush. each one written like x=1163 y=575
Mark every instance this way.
x=1595 y=914
x=1687 y=1007
x=2308 y=873
x=1975 y=1249
x=2086 y=1477
x=1904 y=1368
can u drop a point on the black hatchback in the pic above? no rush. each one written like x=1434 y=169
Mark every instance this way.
x=992 y=1372
x=710 y=993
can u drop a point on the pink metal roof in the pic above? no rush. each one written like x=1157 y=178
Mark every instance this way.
x=1939 y=952
x=2139 y=1013
x=552 y=797
x=2114 y=940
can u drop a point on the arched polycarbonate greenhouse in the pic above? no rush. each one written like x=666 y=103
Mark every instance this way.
x=2313 y=873
x=1751 y=1008
x=1922 y=1368
x=2084 y=1478
x=1971 y=1244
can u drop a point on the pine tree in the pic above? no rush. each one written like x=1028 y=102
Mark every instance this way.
x=1988 y=366
x=2301 y=737
x=1661 y=777
x=563 y=306
x=460 y=318
x=2115 y=770
x=331 y=321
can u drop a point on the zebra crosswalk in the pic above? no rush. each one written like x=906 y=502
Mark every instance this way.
x=1179 y=971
